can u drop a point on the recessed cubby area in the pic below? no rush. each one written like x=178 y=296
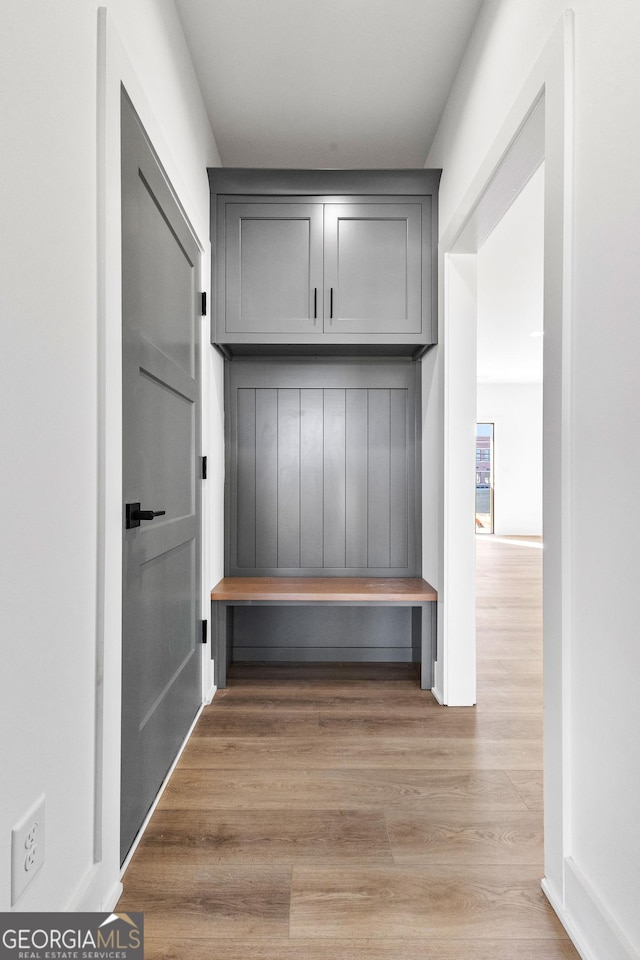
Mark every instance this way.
x=324 y=304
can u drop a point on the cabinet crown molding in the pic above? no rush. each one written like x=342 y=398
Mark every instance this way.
x=285 y=182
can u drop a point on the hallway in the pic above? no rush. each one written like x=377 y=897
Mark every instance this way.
x=339 y=813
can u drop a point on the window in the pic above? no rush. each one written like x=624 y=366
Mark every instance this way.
x=484 y=478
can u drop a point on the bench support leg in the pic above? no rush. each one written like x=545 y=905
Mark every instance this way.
x=422 y=640
x=222 y=624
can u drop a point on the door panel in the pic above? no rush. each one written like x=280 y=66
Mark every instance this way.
x=166 y=266
x=168 y=625
x=372 y=268
x=373 y=265
x=168 y=481
x=273 y=275
x=161 y=661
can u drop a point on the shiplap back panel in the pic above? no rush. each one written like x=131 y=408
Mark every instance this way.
x=321 y=468
x=324 y=633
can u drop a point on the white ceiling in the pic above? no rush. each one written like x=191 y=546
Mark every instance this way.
x=362 y=84
x=510 y=292
x=326 y=83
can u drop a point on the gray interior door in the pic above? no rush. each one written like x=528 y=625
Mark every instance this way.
x=161 y=661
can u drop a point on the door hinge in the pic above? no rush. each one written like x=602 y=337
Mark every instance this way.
x=204 y=631
x=203 y=304
x=203 y=471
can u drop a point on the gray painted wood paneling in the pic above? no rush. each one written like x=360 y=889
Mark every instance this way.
x=288 y=517
x=378 y=479
x=311 y=477
x=322 y=463
x=399 y=443
x=334 y=500
x=246 y=477
x=357 y=406
x=323 y=634
x=266 y=473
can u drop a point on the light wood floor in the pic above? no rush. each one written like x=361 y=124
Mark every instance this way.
x=347 y=816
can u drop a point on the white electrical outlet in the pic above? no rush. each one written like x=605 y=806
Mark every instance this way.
x=27 y=848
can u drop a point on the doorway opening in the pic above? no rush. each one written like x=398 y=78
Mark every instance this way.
x=462 y=270
x=538 y=128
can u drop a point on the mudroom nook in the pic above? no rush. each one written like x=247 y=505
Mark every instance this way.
x=324 y=303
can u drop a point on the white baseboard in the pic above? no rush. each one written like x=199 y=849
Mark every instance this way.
x=439 y=696
x=114 y=896
x=208 y=684
x=590 y=925
x=87 y=893
x=89 y=898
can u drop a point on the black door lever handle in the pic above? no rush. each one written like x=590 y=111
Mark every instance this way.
x=133 y=515
x=147 y=514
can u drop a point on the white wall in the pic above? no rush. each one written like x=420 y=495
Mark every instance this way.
x=516 y=411
x=510 y=291
x=600 y=730
x=50 y=410
x=48 y=415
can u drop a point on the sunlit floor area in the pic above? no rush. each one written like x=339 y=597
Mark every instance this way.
x=340 y=813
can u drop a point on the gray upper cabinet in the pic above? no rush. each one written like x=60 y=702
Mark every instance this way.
x=324 y=261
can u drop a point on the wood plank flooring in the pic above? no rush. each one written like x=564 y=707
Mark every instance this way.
x=339 y=813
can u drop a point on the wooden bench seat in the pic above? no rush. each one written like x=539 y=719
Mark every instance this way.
x=411 y=592
x=325 y=589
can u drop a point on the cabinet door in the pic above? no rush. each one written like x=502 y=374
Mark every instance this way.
x=373 y=268
x=273 y=270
